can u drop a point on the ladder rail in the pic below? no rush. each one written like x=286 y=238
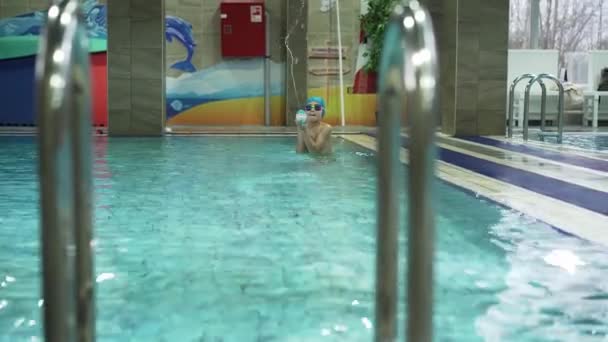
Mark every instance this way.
x=421 y=84
x=511 y=105
x=391 y=105
x=543 y=105
x=408 y=70
x=560 y=105
x=65 y=176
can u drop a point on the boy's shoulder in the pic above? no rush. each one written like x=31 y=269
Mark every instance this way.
x=325 y=125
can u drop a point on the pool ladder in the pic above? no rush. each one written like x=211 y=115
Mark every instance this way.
x=408 y=70
x=543 y=106
x=64 y=130
x=62 y=83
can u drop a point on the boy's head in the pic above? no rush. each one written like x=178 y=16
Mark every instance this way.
x=315 y=108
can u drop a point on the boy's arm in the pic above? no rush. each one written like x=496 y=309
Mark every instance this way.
x=317 y=144
x=300 y=144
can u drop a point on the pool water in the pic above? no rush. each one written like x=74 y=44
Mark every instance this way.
x=242 y=239
x=593 y=141
x=587 y=141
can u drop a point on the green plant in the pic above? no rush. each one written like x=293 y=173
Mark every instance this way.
x=373 y=24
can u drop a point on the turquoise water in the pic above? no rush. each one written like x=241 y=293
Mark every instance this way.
x=241 y=239
x=592 y=141
x=587 y=141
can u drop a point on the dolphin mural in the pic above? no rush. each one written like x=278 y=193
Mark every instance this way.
x=181 y=30
x=96 y=16
x=31 y=23
x=96 y=20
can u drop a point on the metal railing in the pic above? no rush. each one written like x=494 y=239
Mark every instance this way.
x=510 y=117
x=543 y=106
x=267 y=66
x=64 y=114
x=560 y=107
x=408 y=69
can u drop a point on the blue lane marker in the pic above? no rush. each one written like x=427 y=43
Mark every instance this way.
x=589 y=163
x=590 y=199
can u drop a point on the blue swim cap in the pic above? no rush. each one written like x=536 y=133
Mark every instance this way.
x=318 y=100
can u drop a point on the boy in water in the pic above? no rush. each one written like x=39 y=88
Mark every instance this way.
x=313 y=134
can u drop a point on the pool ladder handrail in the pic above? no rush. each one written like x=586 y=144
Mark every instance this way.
x=560 y=107
x=65 y=163
x=408 y=69
x=533 y=78
x=510 y=110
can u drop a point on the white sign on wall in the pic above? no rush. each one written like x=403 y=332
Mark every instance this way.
x=256 y=13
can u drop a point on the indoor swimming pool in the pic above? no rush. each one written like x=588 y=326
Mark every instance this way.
x=241 y=239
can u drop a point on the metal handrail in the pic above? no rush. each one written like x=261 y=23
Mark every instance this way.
x=560 y=106
x=64 y=114
x=267 y=66
x=408 y=67
x=514 y=84
x=391 y=105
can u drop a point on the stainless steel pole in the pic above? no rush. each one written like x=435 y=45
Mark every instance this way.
x=543 y=105
x=421 y=82
x=408 y=67
x=510 y=117
x=267 y=88
x=387 y=251
x=83 y=182
x=560 y=103
x=62 y=93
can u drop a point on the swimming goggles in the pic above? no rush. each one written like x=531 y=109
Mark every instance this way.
x=316 y=107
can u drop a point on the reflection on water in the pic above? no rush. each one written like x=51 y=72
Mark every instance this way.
x=242 y=239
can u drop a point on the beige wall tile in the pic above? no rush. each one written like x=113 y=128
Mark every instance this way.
x=146 y=33
x=146 y=9
x=119 y=33
x=119 y=8
x=119 y=122
x=146 y=64
x=13 y=11
x=119 y=90
x=120 y=59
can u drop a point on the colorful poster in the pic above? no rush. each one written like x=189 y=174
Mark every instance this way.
x=19 y=35
x=201 y=88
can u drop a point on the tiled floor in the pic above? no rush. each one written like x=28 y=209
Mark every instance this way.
x=567 y=190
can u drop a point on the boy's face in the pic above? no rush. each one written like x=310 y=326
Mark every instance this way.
x=314 y=111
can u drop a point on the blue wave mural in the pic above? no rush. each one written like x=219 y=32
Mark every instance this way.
x=95 y=15
x=23 y=25
x=31 y=23
x=232 y=79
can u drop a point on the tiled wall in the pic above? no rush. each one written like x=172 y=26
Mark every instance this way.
x=322 y=31
x=11 y=8
x=473 y=49
x=204 y=16
x=136 y=78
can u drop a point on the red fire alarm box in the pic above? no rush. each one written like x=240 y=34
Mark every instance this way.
x=243 y=30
